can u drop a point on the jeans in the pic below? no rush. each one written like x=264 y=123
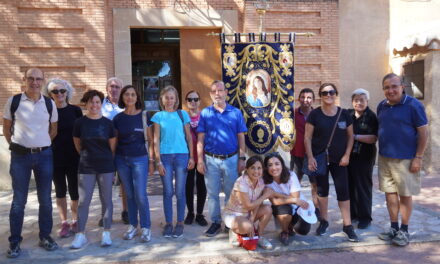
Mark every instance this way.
x=175 y=166
x=215 y=170
x=133 y=172
x=21 y=167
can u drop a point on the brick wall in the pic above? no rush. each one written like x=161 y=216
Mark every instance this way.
x=73 y=39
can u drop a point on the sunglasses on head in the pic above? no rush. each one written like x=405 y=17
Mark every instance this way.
x=327 y=93
x=62 y=91
x=272 y=154
x=192 y=99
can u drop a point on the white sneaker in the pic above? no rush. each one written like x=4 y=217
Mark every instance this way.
x=130 y=233
x=79 y=241
x=106 y=239
x=146 y=234
x=233 y=239
x=264 y=243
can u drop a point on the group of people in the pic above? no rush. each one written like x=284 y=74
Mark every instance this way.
x=346 y=139
x=205 y=149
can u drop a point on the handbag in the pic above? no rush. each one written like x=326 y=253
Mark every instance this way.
x=322 y=159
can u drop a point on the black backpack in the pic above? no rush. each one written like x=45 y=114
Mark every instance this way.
x=16 y=102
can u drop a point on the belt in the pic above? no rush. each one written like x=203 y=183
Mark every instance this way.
x=23 y=150
x=222 y=157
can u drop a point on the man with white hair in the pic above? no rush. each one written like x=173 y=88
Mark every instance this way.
x=110 y=109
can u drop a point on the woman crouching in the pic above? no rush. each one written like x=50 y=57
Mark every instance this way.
x=245 y=206
x=287 y=199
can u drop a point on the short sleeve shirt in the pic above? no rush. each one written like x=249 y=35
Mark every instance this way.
x=221 y=129
x=31 y=124
x=95 y=155
x=131 y=136
x=291 y=186
x=172 y=136
x=323 y=126
x=398 y=127
x=64 y=152
x=109 y=109
x=244 y=185
x=299 y=149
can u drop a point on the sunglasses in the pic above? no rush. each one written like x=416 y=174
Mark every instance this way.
x=62 y=91
x=193 y=99
x=115 y=86
x=272 y=154
x=327 y=93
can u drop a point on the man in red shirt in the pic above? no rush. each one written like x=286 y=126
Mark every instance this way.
x=306 y=99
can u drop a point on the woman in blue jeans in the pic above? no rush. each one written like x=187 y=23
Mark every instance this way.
x=132 y=161
x=174 y=156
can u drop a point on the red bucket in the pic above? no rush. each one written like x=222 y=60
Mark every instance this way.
x=248 y=243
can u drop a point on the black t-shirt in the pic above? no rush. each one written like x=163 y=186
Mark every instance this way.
x=323 y=126
x=64 y=152
x=96 y=155
x=366 y=124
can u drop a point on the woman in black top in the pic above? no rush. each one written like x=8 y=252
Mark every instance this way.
x=362 y=158
x=65 y=157
x=319 y=126
x=95 y=140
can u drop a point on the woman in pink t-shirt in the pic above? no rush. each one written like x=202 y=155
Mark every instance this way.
x=193 y=103
x=245 y=205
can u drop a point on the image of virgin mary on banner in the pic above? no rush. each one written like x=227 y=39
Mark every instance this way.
x=259 y=77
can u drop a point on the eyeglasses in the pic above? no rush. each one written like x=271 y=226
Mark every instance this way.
x=328 y=93
x=32 y=79
x=115 y=86
x=62 y=91
x=193 y=99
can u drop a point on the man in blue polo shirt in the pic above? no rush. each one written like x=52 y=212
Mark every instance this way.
x=220 y=150
x=403 y=133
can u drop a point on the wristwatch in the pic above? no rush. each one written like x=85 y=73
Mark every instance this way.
x=242 y=158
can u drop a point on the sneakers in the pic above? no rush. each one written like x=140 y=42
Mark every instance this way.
x=167 y=230
x=189 y=219
x=178 y=231
x=389 y=235
x=79 y=241
x=130 y=233
x=349 y=232
x=264 y=243
x=145 y=234
x=284 y=238
x=74 y=227
x=65 y=230
x=48 y=244
x=14 y=250
x=200 y=219
x=124 y=217
x=213 y=230
x=322 y=228
x=401 y=239
x=106 y=239
x=233 y=239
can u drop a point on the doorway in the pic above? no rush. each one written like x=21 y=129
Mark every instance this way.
x=155 y=63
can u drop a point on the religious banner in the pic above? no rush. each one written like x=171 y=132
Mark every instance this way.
x=259 y=77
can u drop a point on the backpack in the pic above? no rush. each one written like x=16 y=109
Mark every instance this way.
x=16 y=102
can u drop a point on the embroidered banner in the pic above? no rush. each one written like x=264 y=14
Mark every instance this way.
x=259 y=78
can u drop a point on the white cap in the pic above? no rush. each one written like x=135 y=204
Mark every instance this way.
x=308 y=215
